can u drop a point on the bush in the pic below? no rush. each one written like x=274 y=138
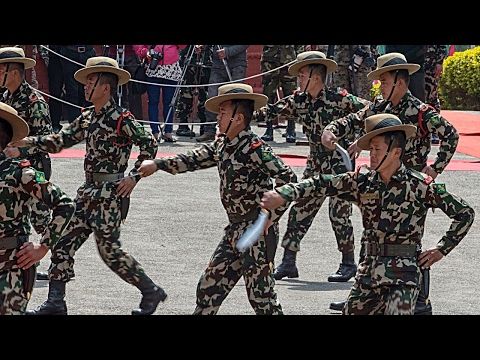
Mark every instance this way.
x=459 y=87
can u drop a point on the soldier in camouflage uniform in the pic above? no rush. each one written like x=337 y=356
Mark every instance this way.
x=315 y=106
x=394 y=72
x=393 y=201
x=274 y=56
x=198 y=72
x=246 y=166
x=102 y=201
x=31 y=107
x=19 y=182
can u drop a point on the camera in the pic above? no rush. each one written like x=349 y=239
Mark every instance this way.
x=360 y=56
x=156 y=57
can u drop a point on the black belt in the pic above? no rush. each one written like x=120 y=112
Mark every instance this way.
x=79 y=48
x=235 y=218
x=91 y=177
x=406 y=250
x=12 y=242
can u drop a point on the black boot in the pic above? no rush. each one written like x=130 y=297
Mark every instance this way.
x=287 y=268
x=268 y=136
x=42 y=275
x=347 y=269
x=338 y=305
x=151 y=297
x=55 y=303
x=291 y=134
x=184 y=130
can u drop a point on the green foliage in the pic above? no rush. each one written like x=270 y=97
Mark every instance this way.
x=459 y=87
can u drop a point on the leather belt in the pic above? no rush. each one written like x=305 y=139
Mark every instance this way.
x=79 y=48
x=12 y=242
x=91 y=177
x=406 y=250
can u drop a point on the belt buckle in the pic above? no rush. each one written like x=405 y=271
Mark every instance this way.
x=81 y=49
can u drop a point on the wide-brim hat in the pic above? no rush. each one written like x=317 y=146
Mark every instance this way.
x=235 y=91
x=312 y=57
x=391 y=62
x=382 y=123
x=15 y=55
x=100 y=64
x=19 y=126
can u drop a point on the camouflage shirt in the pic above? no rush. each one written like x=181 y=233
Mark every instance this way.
x=18 y=184
x=315 y=115
x=392 y=213
x=31 y=107
x=435 y=55
x=108 y=141
x=409 y=110
x=246 y=166
x=279 y=54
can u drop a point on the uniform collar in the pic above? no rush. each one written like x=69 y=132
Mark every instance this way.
x=240 y=136
x=22 y=91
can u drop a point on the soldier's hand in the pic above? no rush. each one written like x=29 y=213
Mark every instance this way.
x=429 y=257
x=125 y=188
x=30 y=253
x=147 y=168
x=19 y=143
x=272 y=200
x=438 y=70
x=354 y=151
x=198 y=49
x=329 y=139
x=221 y=54
x=430 y=172
x=12 y=152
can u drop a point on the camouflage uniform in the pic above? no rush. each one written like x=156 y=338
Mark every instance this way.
x=411 y=111
x=434 y=56
x=314 y=115
x=98 y=207
x=197 y=73
x=387 y=282
x=32 y=107
x=246 y=167
x=19 y=183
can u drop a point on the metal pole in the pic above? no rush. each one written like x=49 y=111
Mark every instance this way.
x=121 y=64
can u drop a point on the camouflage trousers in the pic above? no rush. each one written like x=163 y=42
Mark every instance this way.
x=12 y=296
x=272 y=81
x=100 y=215
x=303 y=212
x=431 y=90
x=186 y=95
x=226 y=267
x=341 y=79
x=381 y=300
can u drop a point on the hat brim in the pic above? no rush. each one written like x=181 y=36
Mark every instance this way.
x=364 y=142
x=19 y=126
x=375 y=74
x=295 y=68
x=27 y=62
x=213 y=104
x=82 y=74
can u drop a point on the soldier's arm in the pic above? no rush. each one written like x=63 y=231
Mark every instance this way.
x=40 y=124
x=285 y=106
x=448 y=136
x=350 y=124
x=200 y=158
x=143 y=139
x=33 y=182
x=455 y=208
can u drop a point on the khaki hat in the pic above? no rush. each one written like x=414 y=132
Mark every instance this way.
x=99 y=64
x=235 y=91
x=390 y=62
x=382 y=123
x=19 y=126
x=312 y=57
x=15 y=55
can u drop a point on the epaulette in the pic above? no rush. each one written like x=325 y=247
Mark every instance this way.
x=24 y=163
x=343 y=92
x=33 y=97
x=421 y=124
x=256 y=143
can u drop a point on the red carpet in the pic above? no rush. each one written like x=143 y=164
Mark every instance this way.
x=292 y=160
x=468 y=125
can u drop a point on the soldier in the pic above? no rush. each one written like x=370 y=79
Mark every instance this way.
x=32 y=107
x=246 y=166
x=393 y=201
x=197 y=73
x=19 y=183
x=102 y=201
x=274 y=56
x=315 y=106
x=394 y=73
x=433 y=70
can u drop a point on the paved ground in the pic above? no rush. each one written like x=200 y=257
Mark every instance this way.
x=175 y=223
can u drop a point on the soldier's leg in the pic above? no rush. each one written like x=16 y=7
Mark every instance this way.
x=431 y=97
x=363 y=84
x=259 y=280
x=289 y=84
x=184 y=108
x=340 y=212
x=270 y=86
x=13 y=300
x=400 y=300
x=106 y=228
x=364 y=300
x=300 y=218
x=220 y=276
x=216 y=76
